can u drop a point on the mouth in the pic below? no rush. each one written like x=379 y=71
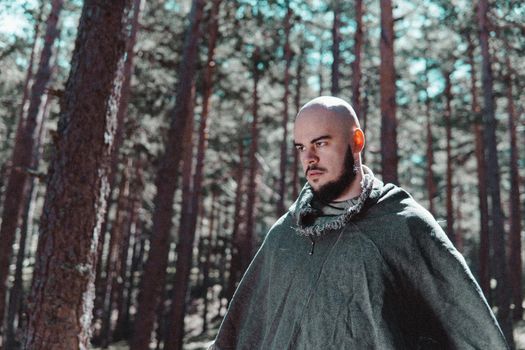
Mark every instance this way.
x=314 y=173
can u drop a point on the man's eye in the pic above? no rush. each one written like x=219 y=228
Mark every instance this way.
x=299 y=148
x=320 y=144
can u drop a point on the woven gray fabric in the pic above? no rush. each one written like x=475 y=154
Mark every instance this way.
x=389 y=278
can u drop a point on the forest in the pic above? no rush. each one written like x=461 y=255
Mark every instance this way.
x=146 y=149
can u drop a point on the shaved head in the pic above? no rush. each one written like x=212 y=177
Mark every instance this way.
x=336 y=108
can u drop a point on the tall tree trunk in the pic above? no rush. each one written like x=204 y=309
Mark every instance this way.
x=388 y=95
x=114 y=264
x=484 y=244
x=297 y=97
x=448 y=131
x=515 y=262
x=336 y=48
x=16 y=293
x=122 y=326
x=166 y=182
x=119 y=138
x=247 y=245
x=459 y=218
x=282 y=190
x=356 y=65
x=17 y=184
x=235 y=261
x=497 y=230
x=62 y=291
x=207 y=260
x=175 y=333
x=430 y=181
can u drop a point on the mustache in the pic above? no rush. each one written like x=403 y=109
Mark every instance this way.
x=313 y=167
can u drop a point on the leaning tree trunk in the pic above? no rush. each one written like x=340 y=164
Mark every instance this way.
x=356 y=65
x=166 y=183
x=515 y=262
x=448 y=131
x=388 y=95
x=63 y=290
x=282 y=190
x=17 y=184
x=336 y=48
x=497 y=229
x=189 y=215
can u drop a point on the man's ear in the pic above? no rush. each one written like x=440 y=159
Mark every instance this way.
x=359 y=140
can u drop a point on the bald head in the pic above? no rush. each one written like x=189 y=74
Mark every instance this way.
x=333 y=107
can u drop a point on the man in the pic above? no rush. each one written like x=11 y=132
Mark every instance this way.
x=354 y=264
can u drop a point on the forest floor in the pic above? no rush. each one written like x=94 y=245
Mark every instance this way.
x=197 y=340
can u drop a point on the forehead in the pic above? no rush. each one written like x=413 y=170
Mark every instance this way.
x=314 y=122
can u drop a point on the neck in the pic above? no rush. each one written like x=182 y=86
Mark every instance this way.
x=354 y=189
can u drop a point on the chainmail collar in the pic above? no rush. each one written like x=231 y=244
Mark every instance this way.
x=306 y=215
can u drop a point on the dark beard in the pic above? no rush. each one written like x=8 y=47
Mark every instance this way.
x=333 y=189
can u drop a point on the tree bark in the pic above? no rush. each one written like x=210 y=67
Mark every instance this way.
x=515 y=262
x=497 y=230
x=122 y=327
x=247 y=245
x=336 y=48
x=298 y=86
x=235 y=261
x=388 y=95
x=188 y=223
x=430 y=181
x=282 y=190
x=448 y=131
x=122 y=112
x=356 y=65
x=17 y=184
x=484 y=244
x=114 y=266
x=62 y=291
x=155 y=269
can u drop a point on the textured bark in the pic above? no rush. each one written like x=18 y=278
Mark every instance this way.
x=190 y=208
x=100 y=283
x=336 y=48
x=17 y=184
x=448 y=131
x=115 y=265
x=484 y=275
x=459 y=219
x=388 y=95
x=497 y=230
x=155 y=269
x=62 y=291
x=246 y=245
x=284 y=125
x=515 y=262
x=356 y=65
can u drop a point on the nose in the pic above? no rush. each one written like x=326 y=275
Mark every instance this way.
x=310 y=157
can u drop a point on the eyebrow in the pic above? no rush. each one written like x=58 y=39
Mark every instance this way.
x=314 y=140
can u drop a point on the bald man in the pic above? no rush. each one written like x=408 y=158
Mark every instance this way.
x=354 y=263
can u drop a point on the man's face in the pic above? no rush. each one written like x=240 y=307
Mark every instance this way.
x=322 y=141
